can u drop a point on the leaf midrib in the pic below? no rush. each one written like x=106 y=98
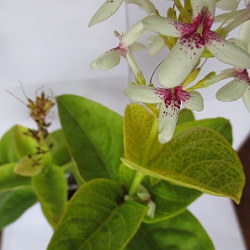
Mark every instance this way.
x=102 y=160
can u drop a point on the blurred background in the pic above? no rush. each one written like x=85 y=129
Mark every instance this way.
x=47 y=43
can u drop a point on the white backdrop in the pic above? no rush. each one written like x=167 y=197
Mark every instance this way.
x=48 y=43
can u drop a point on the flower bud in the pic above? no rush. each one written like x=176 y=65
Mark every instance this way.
x=205 y=82
x=171 y=13
x=192 y=76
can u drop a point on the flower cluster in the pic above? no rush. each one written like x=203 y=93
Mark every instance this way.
x=187 y=32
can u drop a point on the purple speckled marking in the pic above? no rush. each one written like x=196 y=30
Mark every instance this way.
x=114 y=49
x=190 y=37
x=205 y=18
x=172 y=99
x=184 y=28
x=210 y=37
x=162 y=93
x=123 y=50
x=243 y=76
x=192 y=40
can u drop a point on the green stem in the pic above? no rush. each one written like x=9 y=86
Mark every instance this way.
x=136 y=182
x=167 y=42
x=150 y=141
x=179 y=6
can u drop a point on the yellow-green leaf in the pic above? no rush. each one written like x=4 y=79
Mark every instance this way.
x=198 y=158
x=170 y=199
x=25 y=144
x=221 y=125
x=27 y=167
x=137 y=125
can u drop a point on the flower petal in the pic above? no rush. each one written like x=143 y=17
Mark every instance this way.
x=146 y=94
x=247 y=3
x=244 y=34
x=227 y=16
x=226 y=52
x=200 y=5
x=227 y=4
x=209 y=80
x=133 y=34
x=192 y=100
x=137 y=46
x=109 y=59
x=166 y=26
x=246 y=98
x=239 y=43
x=167 y=120
x=105 y=11
x=93 y=65
x=180 y=61
x=153 y=38
x=238 y=20
x=232 y=91
x=156 y=46
x=145 y=5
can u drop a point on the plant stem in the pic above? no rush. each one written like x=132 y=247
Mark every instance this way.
x=139 y=175
x=136 y=182
x=179 y=6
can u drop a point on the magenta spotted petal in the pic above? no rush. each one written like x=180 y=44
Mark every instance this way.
x=181 y=60
x=194 y=38
x=170 y=100
x=168 y=117
x=235 y=89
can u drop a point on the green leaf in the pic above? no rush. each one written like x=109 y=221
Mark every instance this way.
x=25 y=144
x=221 y=125
x=59 y=151
x=170 y=199
x=94 y=135
x=10 y=180
x=127 y=176
x=182 y=232
x=60 y=154
x=8 y=152
x=137 y=125
x=14 y=202
x=15 y=144
x=51 y=189
x=26 y=167
x=97 y=218
x=198 y=158
x=185 y=115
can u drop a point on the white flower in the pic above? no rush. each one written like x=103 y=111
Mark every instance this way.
x=227 y=4
x=156 y=44
x=192 y=42
x=238 y=16
x=111 y=6
x=171 y=100
x=111 y=58
x=240 y=86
